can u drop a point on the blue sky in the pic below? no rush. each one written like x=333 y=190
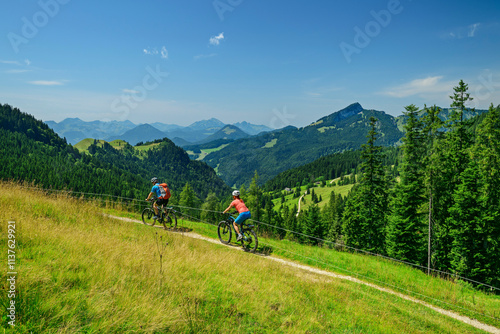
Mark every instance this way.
x=275 y=62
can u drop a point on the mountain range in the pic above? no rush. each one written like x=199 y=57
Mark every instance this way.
x=236 y=154
x=34 y=153
x=271 y=153
x=75 y=130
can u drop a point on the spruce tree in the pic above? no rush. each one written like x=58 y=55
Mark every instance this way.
x=365 y=213
x=188 y=201
x=469 y=256
x=432 y=124
x=313 y=226
x=406 y=233
x=486 y=152
x=210 y=209
x=452 y=160
x=254 y=198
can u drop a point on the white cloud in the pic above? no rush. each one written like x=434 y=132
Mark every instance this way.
x=429 y=85
x=17 y=71
x=163 y=53
x=150 y=52
x=217 y=39
x=472 y=29
x=27 y=62
x=46 y=83
x=11 y=62
x=130 y=91
x=469 y=31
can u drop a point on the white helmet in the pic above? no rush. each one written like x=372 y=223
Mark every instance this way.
x=236 y=193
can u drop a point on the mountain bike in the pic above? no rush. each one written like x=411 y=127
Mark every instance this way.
x=249 y=242
x=166 y=216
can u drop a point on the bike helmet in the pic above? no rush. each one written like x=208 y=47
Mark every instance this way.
x=154 y=180
x=236 y=193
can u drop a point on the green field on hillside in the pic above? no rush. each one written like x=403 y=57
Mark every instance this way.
x=83 y=146
x=205 y=152
x=324 y=192
x=79 y=270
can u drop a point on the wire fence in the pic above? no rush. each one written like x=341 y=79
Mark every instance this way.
x=141 y=204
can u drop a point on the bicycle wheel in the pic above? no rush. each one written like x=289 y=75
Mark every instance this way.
x=147 y=216
x=249 y=241
x=224 y=232
x=170 y=222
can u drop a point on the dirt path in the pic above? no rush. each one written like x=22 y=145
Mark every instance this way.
x=300 y=200
x=456 y=316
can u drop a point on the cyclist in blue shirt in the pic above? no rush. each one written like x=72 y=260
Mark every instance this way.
x=157 y=191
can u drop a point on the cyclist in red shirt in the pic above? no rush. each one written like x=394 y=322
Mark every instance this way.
x=243 y=211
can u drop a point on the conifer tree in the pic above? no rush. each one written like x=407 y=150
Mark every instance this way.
x=290 y=222
x=468 y=255
x=333 y=215
x=486 y=153
x=189 y=200
x=431 y=131
x=365 y=213
x=255 y=194
x=313 y=226
x=452 y=160
x=406 y=231
x=210 y=209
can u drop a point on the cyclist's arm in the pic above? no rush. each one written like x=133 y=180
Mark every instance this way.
x=228 y=208
x=150 y=195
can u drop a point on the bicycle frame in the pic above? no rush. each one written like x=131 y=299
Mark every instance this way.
x=166 y=215
x=249 y=240
x=244 y=226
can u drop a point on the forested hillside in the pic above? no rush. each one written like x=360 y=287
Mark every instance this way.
x=441 y=213
x=32 y=152
x=329 y=167
x=168 y=162
x=272 y=153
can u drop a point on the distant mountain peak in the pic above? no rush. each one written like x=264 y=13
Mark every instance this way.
x=207 y=124
x=349 y=111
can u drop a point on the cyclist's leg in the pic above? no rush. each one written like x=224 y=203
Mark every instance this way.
x=155 y=207
x=162 y=204
x=240 y=219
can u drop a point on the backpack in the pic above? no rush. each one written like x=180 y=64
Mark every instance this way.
x=165 y=192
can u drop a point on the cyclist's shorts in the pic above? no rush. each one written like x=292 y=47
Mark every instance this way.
x=161 y=201
x=242 y=217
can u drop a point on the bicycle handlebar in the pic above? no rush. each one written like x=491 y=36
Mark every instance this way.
x=230 y=213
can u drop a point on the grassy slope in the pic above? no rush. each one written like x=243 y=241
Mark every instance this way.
x=83 y=145
x=324 y=192
x=79 y=271
x=206 y=151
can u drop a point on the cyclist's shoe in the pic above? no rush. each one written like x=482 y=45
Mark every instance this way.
x=240 y=236
x=156 y=218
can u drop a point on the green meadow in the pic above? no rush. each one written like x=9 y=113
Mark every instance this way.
x=81 y=271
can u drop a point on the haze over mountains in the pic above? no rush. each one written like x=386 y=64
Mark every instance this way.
x=75 y=130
